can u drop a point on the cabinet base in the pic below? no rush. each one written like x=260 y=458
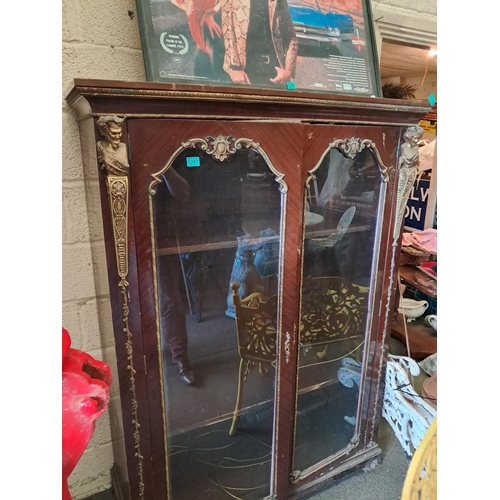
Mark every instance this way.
x=366 y=460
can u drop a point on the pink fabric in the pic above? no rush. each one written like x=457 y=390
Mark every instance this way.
x=423 y=240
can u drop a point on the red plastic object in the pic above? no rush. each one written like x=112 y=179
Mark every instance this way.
x=85 y=397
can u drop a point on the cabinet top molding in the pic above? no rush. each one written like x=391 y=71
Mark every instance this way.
x=146 y=98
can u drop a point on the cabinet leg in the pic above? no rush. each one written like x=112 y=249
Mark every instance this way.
x=236 y=414
x=189 y=271
x=324 y=353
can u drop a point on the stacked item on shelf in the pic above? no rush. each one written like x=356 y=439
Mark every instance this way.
x=419 y=249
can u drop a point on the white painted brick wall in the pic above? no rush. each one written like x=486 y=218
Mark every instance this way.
x=74 y=222
x=418 y=8
x=101 y=39
x=92 y=471
x=72 y=168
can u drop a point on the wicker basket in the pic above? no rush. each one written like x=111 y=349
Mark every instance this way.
x=411 y=256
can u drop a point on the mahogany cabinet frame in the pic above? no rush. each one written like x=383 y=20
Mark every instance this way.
x=314 y=120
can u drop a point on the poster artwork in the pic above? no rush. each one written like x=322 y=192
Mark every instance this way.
x=296 y=44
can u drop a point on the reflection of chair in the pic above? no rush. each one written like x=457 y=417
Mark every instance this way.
x=266 y=259
x=190 y=262
x=333 y=310
x=421 y=478
x=338 y=234
x=349 y=375
x=312 y=192
x=196 y=265
x=243 y=272
x=256 y=331
x=321 y=252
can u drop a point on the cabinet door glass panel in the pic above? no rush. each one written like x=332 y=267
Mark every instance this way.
x=216 y=223
x=340 y=231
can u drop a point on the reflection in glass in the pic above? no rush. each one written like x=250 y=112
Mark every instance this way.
x=340 y=230
x=215 y=222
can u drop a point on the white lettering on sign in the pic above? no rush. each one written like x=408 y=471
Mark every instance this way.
x=413 y=213
x=412 y=195
x=422 y=196
x=417 y=204
x=416 y=213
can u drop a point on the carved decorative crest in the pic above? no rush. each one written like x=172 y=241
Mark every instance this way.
x=220 y=148
x=350 y=148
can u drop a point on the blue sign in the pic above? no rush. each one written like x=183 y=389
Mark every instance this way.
x=416 y=208
x=193 y=161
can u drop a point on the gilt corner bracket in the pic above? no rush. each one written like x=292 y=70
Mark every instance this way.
x=407 y=167
x=112 y=157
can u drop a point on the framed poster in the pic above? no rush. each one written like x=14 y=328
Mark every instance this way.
x=305 y=45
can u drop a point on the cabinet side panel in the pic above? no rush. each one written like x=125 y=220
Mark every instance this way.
x=106 y=317
x=125 y=301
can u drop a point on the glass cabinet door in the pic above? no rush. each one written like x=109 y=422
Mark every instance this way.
x=215 y=214
x=343 y=196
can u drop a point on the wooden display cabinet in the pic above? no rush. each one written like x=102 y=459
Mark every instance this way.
x=296 y=198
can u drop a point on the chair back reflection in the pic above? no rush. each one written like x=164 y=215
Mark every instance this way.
x=333 y=310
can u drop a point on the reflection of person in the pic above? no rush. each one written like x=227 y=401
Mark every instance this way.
x=207 y=34
x=260 y=42
x=173 y=317
x=111 y=153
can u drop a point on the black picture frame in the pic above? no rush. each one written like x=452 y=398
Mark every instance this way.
x=308 y=46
